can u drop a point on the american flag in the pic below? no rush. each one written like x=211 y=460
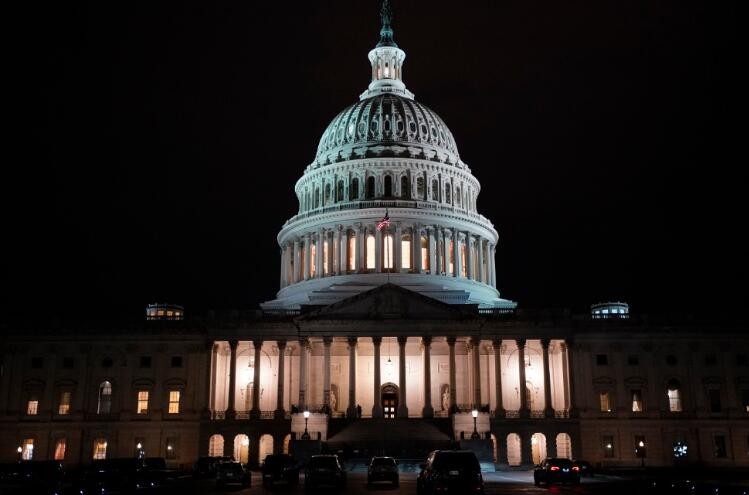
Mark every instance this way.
x=384 y=223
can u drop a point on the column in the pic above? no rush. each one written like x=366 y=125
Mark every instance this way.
x=567 y=378
x=342 y=250
x=326 y=342
x=458 y=258
x=297 y=260
x=210 y=359
x=307 y=253
x=446 y=251
x=499 y=410
x=416 y=249
x=279 y=396
x=231 y=412
x=377 y=407
x=469 y=257
x=431 y=250
x=402 y=407
x=480 y=252
x=427 y=411
x=476 y=344
x=526 y=447
x=453 y=399
x=303 y=345
x=361 y=242
x=282 y=281
x=319 y=253
x=397 y=246
x=492 y=272
x=438 y=253
x=334 y=267
x=548 y=410
x=330 y=236
x=351 y=411
x=524 y=412
x=255 y=411
x=378 y=250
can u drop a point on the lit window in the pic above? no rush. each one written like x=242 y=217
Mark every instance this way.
x=142 y=402
x=463 y=262
x=674 y=396
x=174 y=401
x=100 y=449
x=636 y=401
x=425 y=253
x=406 y=252
x=370 y=252
x=605 y=401
x=312 y=259
x=60 y=449
x=325 y=268
x=105 y=398
x=388 y=252
x=32 y=407
x=27 y=452
x=64 y=407
x=450 y=258
x=352 y=252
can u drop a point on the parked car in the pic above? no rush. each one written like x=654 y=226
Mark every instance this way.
x=324 y=470
x=586 y=468
x=450 y=471
x=205 y=467
x=556 y=470
x=32 y=477
x=280 y=467
x=382 y=469
x=232 y=473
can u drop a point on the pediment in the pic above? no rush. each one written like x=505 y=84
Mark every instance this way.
x=390 y=301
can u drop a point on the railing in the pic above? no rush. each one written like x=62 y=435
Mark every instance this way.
x=512 y=414
x=537 y=414
x=267 y=414
x=497 y=311
x=470 y=407
x=562 y=413
x=242 y=415
x=280 y=313
x=218 y=414
x=313 y=408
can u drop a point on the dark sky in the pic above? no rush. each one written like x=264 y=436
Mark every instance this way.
x=160 y=143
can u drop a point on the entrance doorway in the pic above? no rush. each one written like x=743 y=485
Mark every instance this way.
x=389 y=399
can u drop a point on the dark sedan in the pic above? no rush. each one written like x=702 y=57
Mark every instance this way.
x=280 y=468
x=324 y=470
x=450 y=471
x=556 y=471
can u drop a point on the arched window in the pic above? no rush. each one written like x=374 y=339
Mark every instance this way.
x=564 y=446
x=405 y=189
x=447 y=194
x=266 y=447
x=286 y=441
x=674 y=395
x=351 y=252
x=339 y=196
x=388 y=186
x=370 y=254
x=406 y=251
x=538 y=447
x=424 y=253
x=242 y=448
x=514 y=449
x=104 y=405
x=353 y=192
x=370 y=192
x=216 y=446
x=435 y=190
x=420 y=188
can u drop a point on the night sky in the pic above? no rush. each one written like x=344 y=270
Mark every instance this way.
x=158 y=144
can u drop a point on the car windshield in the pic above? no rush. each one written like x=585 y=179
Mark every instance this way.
x=464 y=461
x=383 y=461
x=563 y=463
x=323 y=462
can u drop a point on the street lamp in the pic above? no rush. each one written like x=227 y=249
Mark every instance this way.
x=305 y=435
x=640 y=452
x=475 y=434
x=20 y=452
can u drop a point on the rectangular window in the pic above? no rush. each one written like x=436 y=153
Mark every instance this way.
x=633 y=360
x=325 y=251
x=60 y=449
x=602 y=359
x=142 y=402
x=174 y=401
x=451 y=258
x=27 y=452
x=425 y=254
x=171 y=448
x=715 y=406
x=719 y=446
x=32 y=407
x=100 y=449
x=145 y=361
x=674 y=400
x=608 y=446
x=637 y=405
x=463 y=262
x=64 y=407
x=351 y=253
x=605 y=401
x=370 y=252
x=176 y=361
x=406 y=253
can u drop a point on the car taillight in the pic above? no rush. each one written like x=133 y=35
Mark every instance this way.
x=555 y=468
x=575 y=468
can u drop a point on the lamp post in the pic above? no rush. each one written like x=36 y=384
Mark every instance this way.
x=20 y=453
x=305 y=435
x=139 y=451
x=475 y=434
x=640 y=451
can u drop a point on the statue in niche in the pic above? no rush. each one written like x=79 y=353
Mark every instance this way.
x=445 y=397
x=333 y=397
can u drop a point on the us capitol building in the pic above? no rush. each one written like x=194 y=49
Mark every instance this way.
x=387 y=333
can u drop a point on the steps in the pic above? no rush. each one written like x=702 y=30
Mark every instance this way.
x=402 y=438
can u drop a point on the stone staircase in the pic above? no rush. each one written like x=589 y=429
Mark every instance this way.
x=402 y=438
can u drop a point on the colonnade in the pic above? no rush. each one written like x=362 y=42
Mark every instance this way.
x=428 y=409
x=412 y=248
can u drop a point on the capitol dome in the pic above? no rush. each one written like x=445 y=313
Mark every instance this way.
x=387 y=199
